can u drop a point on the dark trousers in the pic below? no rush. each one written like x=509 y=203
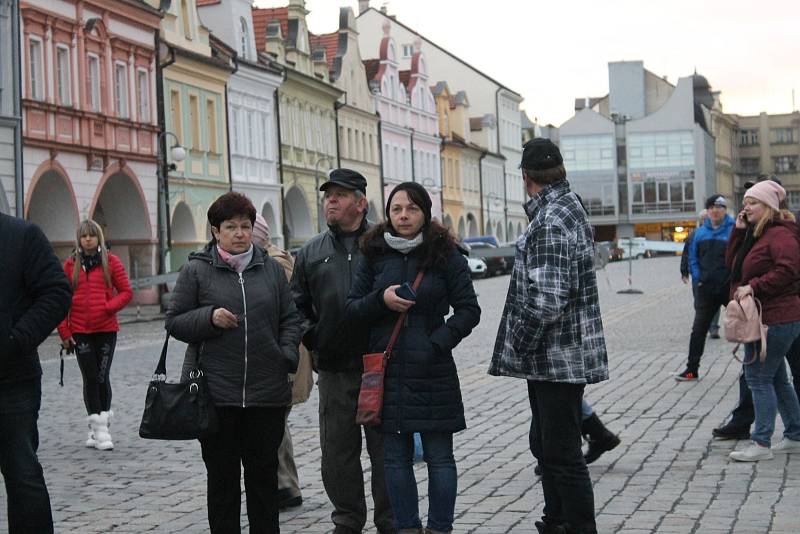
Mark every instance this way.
x=28 y=500
x=707 y=304
x=95 y=353
x=555 y=440
x=341 y=443
x=744 y=413
x=247 y=437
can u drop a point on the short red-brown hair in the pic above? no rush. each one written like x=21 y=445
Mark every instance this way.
x=228 y=206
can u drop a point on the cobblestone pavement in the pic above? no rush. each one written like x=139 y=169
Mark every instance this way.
x=667 y=476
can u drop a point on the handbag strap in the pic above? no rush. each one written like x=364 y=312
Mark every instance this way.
x=161 y=368
x=399 y=324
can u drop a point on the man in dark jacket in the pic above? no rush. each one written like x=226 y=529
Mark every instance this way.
x=551 y=334
x=321 y=282
x=34 y=297
x=713 y=330
x=707 y=266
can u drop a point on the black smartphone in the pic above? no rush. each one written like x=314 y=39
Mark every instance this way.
x=406 y=292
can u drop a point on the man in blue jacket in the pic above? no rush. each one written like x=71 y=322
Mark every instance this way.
x=35 y=296
x=707 y=265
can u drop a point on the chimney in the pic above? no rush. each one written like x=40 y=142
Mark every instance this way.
x=363 y=5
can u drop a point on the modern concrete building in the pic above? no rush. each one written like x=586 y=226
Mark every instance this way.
x=307 y=110
x=770 y=144
x=495 y=104
x=90 y=124
x=642 y=157
x=251 y=111
x=358 y=136
x=10 y=115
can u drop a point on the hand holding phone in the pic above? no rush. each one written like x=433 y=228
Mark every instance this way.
x=406 y=292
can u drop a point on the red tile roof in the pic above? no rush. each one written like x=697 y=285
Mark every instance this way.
x=328 y=41
x=405 y=77
x=371 y=66
x=262 y=17
x=201 y=3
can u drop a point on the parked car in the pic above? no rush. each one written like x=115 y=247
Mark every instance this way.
x=636 y=247
x=477 y=267
x=492 y=240
x=495 y=264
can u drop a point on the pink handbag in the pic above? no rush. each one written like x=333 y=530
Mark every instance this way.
x=743 y=324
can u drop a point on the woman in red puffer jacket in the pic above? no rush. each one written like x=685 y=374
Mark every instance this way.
x=100 y=290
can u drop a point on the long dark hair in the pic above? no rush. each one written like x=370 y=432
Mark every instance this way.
x=437 y=245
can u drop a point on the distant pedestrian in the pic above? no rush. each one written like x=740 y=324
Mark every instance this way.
x=713 y=330
x=323 y=274
x=768 y=267
x=34 y=298
x=422 y=387
x=711 y=276
x=551 y=334
x=100 y=290
x=234 y=308
x=289 y=494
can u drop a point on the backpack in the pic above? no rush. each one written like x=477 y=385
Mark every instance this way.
x=743 y=325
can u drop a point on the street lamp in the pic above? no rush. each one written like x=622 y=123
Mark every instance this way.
x=178 y=154
x=316 y=189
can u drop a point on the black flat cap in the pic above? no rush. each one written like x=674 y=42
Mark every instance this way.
x=346 y=178
x=540 y=154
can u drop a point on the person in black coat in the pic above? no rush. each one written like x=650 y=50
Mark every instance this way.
x=422 y=391
x=233 y=306
x=35 y=296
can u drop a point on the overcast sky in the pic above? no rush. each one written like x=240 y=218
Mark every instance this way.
x=554 y=51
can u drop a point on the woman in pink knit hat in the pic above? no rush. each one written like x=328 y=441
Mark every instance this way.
x=763 y=255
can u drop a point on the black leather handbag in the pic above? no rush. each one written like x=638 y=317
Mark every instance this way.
x=175 y=411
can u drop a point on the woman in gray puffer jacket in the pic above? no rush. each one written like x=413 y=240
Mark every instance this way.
x=233 y=306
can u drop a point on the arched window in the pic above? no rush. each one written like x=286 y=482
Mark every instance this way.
x=245 y=38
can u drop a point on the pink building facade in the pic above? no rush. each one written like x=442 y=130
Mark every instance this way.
x=90 y=124
x=411 y=146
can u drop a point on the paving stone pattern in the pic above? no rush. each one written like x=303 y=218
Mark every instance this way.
x=667 y=476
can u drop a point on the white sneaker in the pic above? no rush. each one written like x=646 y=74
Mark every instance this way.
x=753 y=453
x=786 y=445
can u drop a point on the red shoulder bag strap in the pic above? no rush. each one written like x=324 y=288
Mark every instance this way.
x=399 y=324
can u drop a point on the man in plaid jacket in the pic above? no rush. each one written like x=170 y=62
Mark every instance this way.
x=551 y=334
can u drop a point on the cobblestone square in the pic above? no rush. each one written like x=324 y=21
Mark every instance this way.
x=667 y=476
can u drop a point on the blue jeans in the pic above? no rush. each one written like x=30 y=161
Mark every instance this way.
x=28 y=500
x=401 y=484
x=770 y=386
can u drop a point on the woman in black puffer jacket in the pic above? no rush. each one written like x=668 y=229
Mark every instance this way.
x=422 y=392
x=233 y=306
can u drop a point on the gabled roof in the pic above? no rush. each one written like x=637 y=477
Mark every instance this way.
x=328 y=41
x=201 y=3
x=262 y=17
x=394 y=19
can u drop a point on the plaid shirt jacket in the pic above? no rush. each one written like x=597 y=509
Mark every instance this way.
x=551 y=329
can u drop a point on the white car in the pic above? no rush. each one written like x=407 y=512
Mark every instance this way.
x=477 y=267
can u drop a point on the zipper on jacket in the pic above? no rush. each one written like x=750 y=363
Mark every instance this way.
x=244 y=382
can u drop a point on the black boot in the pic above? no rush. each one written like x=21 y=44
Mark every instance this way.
x=545 y=527
x=599 y=437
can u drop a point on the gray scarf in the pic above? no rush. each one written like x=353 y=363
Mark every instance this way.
x=401 y=244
